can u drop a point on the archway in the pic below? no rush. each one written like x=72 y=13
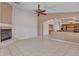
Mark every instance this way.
x=49 y=16
x=50 y=26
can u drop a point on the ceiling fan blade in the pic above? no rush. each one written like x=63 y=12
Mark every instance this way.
x=36 y=10
x=43 y=13
x=38 y=14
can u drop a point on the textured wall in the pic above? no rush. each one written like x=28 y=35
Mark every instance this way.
x=24 y=23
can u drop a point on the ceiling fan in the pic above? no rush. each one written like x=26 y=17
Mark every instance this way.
x=40 y=11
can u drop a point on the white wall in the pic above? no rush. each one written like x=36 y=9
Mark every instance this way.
x=24 y=24
x=45 y=28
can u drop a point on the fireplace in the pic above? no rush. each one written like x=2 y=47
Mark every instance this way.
x=6 y=34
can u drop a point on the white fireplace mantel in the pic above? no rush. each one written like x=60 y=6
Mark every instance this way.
x=5 y=25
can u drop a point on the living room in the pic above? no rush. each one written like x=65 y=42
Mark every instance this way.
x=39 y=28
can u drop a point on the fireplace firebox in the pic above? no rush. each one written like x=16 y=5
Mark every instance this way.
x=6 y=34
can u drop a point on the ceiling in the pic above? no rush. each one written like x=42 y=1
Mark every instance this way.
x=51 y=7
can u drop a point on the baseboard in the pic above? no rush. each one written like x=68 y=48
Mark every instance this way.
x=25 y=38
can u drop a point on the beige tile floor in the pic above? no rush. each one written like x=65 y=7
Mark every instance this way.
x=38 y=47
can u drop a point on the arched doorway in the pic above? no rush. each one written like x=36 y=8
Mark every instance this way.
x=49 y=16
x=50 y=26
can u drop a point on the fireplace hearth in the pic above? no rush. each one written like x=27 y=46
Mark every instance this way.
x=6 y=34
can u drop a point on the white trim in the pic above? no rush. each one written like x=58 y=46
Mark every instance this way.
x=65 y=41
x=7 y=25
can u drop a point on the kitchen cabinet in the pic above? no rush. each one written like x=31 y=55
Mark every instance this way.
x=72 y=27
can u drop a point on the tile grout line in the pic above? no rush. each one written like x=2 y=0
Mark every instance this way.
x=19 y=50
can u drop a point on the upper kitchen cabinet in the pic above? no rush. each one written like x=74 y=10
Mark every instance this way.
x=6 y=13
